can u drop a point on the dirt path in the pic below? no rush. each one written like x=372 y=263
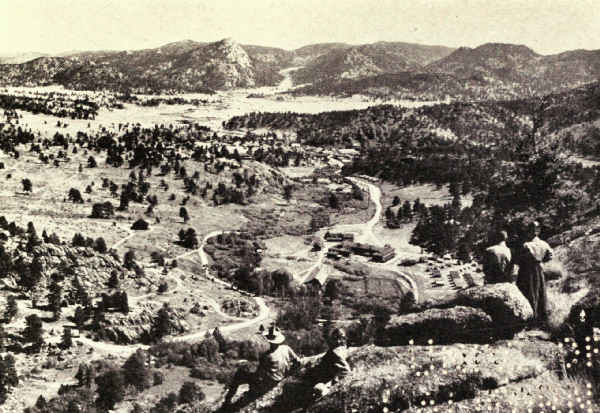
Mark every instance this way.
x=132 y=233
x=365 y=230
x=264 y=314
x=125 y=350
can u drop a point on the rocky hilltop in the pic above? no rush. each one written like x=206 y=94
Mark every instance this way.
x=354 y=62
x=490 y=71
x=382 y=69
x=183 y=67
x=19 y=57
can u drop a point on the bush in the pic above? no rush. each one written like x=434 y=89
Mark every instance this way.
x=136 y=373
x=103 y=210
x=190 y=392
x=100 y=245
x=111 y=388
x=158 y=378
x=27 y=185
x=140 y=225
x=163 y=287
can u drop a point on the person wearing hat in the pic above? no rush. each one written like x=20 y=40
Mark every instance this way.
x=273 y=366
x=531 y=280
x=332 y=366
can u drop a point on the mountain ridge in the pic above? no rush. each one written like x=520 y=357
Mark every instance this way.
x=381 y=69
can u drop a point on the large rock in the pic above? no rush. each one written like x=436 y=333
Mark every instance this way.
x=446 y=325
x=135 y=326
x=401 y=377
x=590 y=306
x=504 y=302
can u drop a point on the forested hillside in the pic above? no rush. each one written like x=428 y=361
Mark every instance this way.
x=510 y=154
x=367 y=60
x=185 y=66
x=490 y=71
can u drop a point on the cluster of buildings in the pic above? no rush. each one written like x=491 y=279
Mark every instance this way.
x=347 y=247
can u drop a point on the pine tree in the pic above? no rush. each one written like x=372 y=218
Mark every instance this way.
x=113 y=281
x=124 y=303
x=129 y=259
x=6 y=262
x=190 y=392
x=32 y=242
x=33 y=332
x=81 y=295
x=11 y=308
x=85 y=375
x=135 y=371
x=98 y=316
x=8 y=376
x=67 y=339
x=111 y=388
x=100 y=245
x=407 y=209
x=162 y=324
x=55 y=298
x=2 y=338
x=27 y=185
x=287 y=192
x=30 y=275
x=80 y=317
x=183 y=214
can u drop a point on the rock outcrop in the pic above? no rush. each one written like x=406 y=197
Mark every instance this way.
x=447 y=325
x=586 y=311
x=92 y=268
x=135 y=326
x=403 y=378
x=504 y=303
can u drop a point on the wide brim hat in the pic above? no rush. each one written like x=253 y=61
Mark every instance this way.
x=274 y=336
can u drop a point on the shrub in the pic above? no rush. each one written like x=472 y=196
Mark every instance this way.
x=190 y=392
x=103 y=210
x=158 y=378
x=140 y=225
x=163 y=287
x=27 y=185
x=111 y=388
x=100 y=245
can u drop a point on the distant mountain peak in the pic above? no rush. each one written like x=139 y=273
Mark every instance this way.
x=506 y=48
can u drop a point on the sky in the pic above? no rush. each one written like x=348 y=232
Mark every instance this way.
x=54 y=26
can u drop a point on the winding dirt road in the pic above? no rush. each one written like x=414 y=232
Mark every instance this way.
x=365 y=234
x=125 y=350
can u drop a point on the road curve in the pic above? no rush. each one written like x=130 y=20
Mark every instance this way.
x=127 y=349
x=264 y=311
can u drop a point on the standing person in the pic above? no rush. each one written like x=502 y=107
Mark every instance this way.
x=274 y=366
x=531 y=280
x=497 y=262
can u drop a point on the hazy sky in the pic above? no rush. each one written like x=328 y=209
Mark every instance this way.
x=51 y=26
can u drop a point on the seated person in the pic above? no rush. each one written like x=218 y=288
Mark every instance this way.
x=274 y=366
x=332 y=366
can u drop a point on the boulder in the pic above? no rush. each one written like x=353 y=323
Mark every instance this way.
x=504 y=302
x=445 y=325
x=590 y=305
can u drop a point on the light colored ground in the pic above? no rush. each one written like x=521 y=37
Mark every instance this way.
x=46 y=208
x=428 y=194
